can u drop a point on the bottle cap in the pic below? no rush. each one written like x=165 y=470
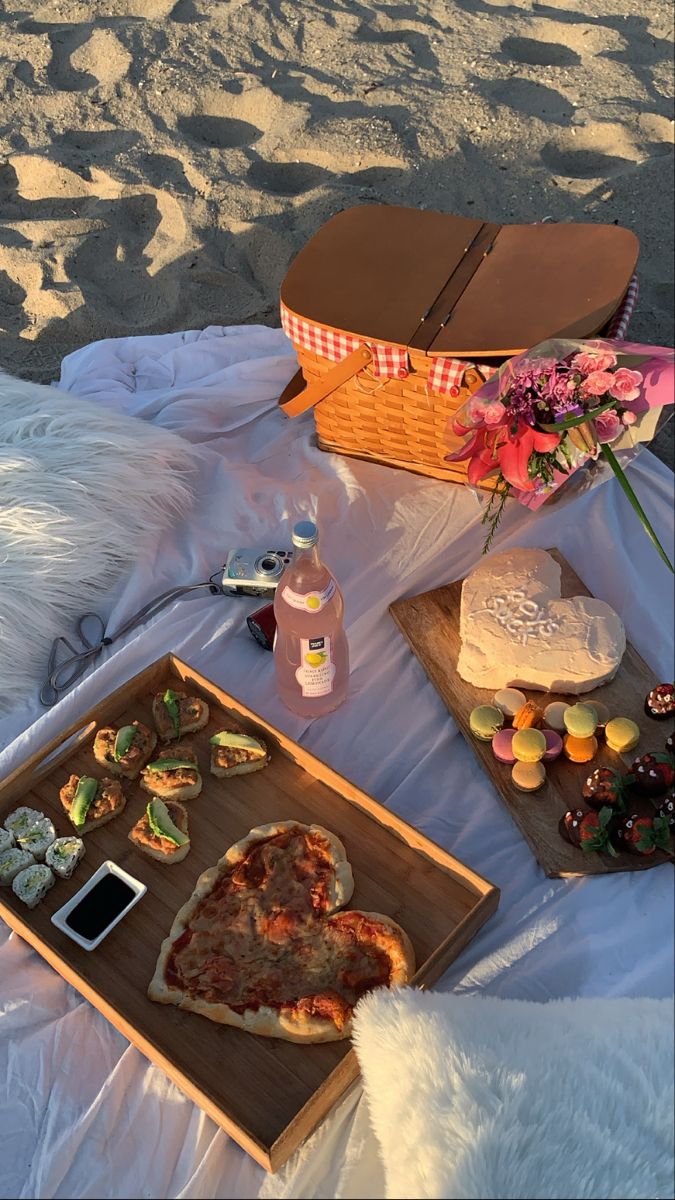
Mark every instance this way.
x=305 y=534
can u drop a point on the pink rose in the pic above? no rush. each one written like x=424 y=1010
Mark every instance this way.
x=597 y=383
x=493 y=413
x=625 y=385
x=593 y=360
x=607 y=426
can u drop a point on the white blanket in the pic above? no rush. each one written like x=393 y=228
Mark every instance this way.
x=83 y=1114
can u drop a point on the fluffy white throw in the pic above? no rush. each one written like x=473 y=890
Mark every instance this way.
x=82 y=491
x=476 y=1097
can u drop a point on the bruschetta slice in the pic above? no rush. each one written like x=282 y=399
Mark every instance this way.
x=173 y=775
x=125 y=750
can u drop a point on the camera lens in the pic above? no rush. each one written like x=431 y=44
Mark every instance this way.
x=268 y=566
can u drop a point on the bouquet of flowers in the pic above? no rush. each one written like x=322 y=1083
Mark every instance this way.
x=548 y=411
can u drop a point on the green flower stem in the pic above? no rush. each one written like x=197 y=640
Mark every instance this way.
x=570 y=422
x=623 y=481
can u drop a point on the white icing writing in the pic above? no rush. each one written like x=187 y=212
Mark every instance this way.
x=523 y=619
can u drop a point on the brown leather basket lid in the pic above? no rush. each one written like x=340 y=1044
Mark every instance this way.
x=458 y=285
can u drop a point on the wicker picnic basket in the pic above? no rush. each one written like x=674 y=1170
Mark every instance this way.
x=398 y=315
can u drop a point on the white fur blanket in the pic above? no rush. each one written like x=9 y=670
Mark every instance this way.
x=476 y=1097
x=82 y=492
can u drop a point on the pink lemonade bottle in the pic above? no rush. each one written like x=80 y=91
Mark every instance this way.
x=311 y=655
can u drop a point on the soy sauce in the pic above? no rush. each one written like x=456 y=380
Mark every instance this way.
x=100 y=906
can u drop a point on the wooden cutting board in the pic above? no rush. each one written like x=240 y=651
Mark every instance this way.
x=430 y=623
x=268 y=1094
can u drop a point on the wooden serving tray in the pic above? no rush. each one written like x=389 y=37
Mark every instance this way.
x=268 y=1094
x=430 y=623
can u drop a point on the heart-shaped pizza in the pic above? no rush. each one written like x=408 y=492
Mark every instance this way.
x=516 y=630
x=261 y=944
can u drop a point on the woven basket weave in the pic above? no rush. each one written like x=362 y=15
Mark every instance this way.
x=396 y=422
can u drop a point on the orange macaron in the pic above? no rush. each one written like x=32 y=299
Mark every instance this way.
x=580 y=750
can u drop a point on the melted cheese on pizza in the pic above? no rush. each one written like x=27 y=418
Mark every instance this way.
x=261 y=936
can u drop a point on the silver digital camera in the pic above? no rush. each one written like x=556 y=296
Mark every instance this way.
x=254 y=572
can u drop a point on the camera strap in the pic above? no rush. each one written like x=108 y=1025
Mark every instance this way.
x=62 y=673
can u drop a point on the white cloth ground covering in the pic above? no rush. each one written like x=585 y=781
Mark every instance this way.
x=83 y=1114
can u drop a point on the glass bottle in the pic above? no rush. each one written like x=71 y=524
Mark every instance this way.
x=311 y=655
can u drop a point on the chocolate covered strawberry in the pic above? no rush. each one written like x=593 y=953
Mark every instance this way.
x=660 y=702
x=652 y=774
x=666 y=808
x=604 y=787
x=589 y=830
x=643 y=835
x=569 y=825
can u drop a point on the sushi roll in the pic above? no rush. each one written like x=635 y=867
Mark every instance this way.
x=38 y=839
x=23 y=819
x=12 y=861
x=6 y=840
x=64 y=854
x=32 y=885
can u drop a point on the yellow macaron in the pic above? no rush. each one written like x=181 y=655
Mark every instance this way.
x=528 y=745
x=622 y=734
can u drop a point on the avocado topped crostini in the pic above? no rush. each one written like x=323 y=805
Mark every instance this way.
x=126 y=750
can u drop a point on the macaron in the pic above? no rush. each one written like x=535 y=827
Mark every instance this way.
x=554 y=745
x=509 y=700
x=601 y=711
x=501 y=745
x=554 y=714
x=528 y=777
x=528 y=745
x=485 y=721
x=580 y=720
x=622 y=734
x=580 y=749
x=527 y=716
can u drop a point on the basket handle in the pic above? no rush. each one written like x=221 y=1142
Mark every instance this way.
x=294 y=403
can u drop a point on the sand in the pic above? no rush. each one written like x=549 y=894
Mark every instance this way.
x=162 y=161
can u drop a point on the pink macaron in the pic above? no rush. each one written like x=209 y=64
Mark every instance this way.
x=501 y=745
x=554 y=745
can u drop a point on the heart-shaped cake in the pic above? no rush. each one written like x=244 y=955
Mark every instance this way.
x=517 y=631
x=261 y=944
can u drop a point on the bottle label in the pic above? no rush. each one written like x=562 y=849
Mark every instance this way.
x=311 y=602
x=317 y=669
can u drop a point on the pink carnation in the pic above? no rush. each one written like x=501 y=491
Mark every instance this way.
x=597 y=383
x=493 y=413
x=474 y=410
x=625 y=385
x=593 y=360
x=607 y=426
x=629 y=418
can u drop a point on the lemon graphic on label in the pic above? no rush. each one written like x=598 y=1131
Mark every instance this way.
x=313 y=602
x=315 y=658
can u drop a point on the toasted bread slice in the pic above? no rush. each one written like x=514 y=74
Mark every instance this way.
x=177 y=782
x=163 y=849
x=131 y=763
x=176 y=713
x=108 y=803
x=244 y=754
